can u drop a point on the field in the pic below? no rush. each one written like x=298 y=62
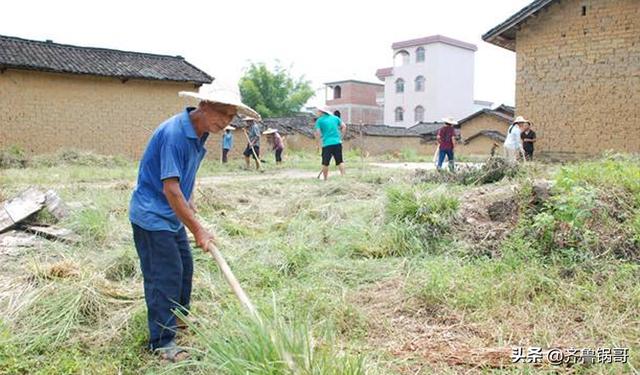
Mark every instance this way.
x=378 y=272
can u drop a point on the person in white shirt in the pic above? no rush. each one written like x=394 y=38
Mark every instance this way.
x=513 y=142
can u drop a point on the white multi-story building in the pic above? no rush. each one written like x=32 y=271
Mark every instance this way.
x=431 y=78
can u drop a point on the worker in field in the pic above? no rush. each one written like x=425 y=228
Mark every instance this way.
x=330 y=130
x=529 y=138
x=513 y=143
x=227 y=142
x=162 y=206
x=277 y=143
x=446 y=143
x=253 y=145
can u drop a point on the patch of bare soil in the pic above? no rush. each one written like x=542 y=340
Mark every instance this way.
x=423 y=340
x=488 y=213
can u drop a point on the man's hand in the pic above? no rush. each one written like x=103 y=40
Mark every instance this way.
x=203 y=237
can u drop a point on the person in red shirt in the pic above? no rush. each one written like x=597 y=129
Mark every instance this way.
x=446 y=143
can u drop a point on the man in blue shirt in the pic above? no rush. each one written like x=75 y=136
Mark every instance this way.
x=161 y=207
x=227 y=142
x=330 y=129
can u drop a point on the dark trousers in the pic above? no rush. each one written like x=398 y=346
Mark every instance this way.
x=225 y=151
x=167 y=268
x=278 y=155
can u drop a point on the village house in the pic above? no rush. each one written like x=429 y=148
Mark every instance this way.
x=357 y=102
x=57 y=96
x=578 y=73
x=432 y=78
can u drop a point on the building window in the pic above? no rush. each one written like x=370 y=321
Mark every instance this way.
x=401 y=58
x=399 y=85
x=420 y=55
x=399 y=114
x=419 y=83
x=337 y=92
x=419 y=114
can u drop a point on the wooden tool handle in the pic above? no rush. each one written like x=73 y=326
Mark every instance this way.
x=231 y=279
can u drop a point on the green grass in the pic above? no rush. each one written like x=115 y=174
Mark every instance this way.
x=347 y=275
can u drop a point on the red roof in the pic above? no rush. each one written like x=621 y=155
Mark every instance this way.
x=384 y=72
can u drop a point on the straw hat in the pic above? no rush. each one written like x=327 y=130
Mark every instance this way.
x=270 y=131
x=217 y=93
x=325 y=110
x=449 y=120
x=229 y=128
x=521 y=120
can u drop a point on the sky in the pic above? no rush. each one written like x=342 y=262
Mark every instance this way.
x=325 y=40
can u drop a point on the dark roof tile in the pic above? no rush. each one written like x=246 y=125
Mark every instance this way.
x=27 y=54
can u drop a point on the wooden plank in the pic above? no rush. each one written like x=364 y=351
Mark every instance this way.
x=52 y=233
x=55 y=205
x=21 y=207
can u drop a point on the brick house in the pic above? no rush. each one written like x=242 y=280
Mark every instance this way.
x=357 y=101
x=55 y=96
x=481 y=131
x=578 y=73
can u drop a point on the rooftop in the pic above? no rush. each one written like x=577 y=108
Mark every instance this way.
x=352 y=81
x=504 y=35
x=434 y=39
x=384 y=72
x=25 y=54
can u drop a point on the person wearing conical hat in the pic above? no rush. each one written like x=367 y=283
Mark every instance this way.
x=162 y=208
x=513 y=142
x=227 y=142
x=274 y=138
x=446 y=143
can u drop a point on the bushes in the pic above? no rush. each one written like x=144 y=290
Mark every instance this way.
x=493 y=170
x=13 y=157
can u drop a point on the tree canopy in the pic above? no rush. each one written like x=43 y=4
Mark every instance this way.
x=273 y=93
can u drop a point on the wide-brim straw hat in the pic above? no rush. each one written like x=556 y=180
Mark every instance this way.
x=229 y=128
x=521 y=120
x=270 y=131
x=214 y=93
x=449 y=120
x=325 y=110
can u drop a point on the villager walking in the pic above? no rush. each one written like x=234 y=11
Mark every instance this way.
x=253 y=145
x=330 y=130
x=277 y=143
x=162 y=205
x=446 y=143
x=227 y=142
x=513 y=142
x=528 y=141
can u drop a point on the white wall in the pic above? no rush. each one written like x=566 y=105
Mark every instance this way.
x=449 y=74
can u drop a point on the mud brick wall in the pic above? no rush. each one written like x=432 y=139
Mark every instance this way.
x=578 y=76
x=45 y=112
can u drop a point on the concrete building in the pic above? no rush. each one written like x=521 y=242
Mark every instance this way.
x=431 y=78
x=357 y=101
x=578 y=73
x=56 y=96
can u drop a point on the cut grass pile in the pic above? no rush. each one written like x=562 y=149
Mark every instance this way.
x=360 y=275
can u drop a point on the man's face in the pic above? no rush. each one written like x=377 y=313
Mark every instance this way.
x=526 y=126
x=218 y=116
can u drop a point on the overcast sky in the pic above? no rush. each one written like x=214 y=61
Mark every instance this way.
x=324 y=40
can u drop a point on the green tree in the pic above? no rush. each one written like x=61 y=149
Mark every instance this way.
x=273 y=93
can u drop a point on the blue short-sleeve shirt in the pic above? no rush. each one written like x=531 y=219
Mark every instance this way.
x=174 y=151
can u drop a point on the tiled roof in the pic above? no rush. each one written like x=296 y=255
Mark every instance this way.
x=384 y=72
x=493 y=134
x=500 y=114
x=425 y=128
x=504 y=35
x=384 y=131
x=17 y=53
x=434 y=39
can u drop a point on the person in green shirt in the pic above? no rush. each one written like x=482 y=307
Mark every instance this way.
x=330 y=130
